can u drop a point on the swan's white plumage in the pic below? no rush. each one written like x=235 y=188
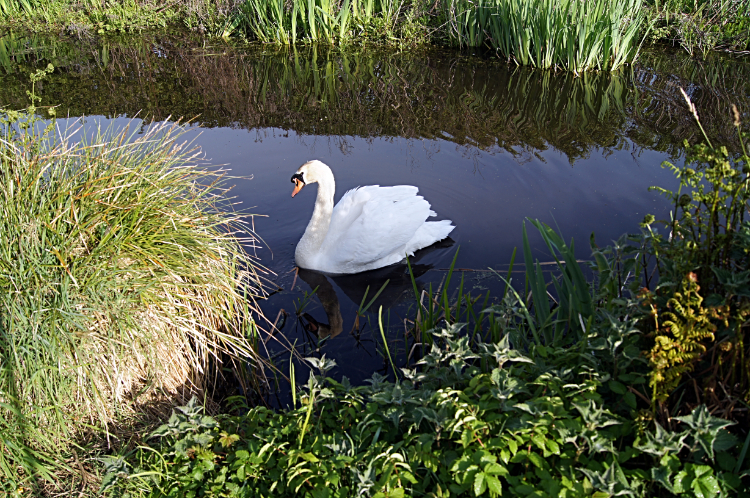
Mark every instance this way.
x=370 y=227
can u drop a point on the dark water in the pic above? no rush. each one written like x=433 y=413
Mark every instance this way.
x=487 y=144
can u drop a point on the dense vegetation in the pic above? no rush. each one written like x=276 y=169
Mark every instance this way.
x=627 y=376
x=123 y=289
x=632 y=383
x=576 y=36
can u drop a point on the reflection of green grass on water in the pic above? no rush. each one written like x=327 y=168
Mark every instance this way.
x=430 y=94
x=124 y=287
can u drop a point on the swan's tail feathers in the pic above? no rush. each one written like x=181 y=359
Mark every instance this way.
x=441 y=229
x=429 y=233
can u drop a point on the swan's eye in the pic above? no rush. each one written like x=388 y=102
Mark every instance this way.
x=298 y=177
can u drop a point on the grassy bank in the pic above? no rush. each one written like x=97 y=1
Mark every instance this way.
x=574 y=36
x=124 y=288
x=702 y=26
x=633 y=382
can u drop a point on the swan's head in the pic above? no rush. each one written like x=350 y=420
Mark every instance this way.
x=310 y=172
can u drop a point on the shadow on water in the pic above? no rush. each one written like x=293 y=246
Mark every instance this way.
x=385 y=288
x=487 y=144
x=349 y=305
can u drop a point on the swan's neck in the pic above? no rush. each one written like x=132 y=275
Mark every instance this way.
x=317 y=229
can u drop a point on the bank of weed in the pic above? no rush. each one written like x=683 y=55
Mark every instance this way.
x=702 y=26
x=91 y=18
x=620 y=385
x=124 y=288
x=481 y=420
x=576 y=36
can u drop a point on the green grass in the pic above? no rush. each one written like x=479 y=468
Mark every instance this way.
x=124 y=285
x=572 y=35
x=330 y=22
x=702 y=26
x=569 y=34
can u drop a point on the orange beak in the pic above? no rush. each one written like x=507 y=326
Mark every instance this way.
x=297 y=187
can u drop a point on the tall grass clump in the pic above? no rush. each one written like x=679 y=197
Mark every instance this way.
x=123 y=286
x=10 y=7
x=568 y=34
x=327 y=21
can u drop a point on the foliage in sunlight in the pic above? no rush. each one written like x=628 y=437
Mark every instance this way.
x=124 y=285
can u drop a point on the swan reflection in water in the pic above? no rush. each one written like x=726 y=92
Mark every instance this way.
x=398 y=289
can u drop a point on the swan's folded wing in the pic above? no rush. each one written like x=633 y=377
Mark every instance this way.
x=373 y=222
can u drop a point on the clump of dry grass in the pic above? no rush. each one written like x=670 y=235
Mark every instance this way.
x=124 y=280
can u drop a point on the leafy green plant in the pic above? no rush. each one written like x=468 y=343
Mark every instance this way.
x=327 y=21
x=708 y=244
x=9 y=7
x=520 y=426
x=681 y=337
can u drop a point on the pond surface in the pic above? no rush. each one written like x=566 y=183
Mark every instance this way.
x=486 y=143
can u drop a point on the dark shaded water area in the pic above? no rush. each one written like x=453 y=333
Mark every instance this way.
x=487 y=143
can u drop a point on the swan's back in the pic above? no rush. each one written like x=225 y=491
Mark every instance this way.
x=375 y=226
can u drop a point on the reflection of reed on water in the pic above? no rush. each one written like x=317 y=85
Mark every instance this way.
x=433 y=94
x=395 y=282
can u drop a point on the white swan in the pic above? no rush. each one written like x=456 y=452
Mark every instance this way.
x=369 y=228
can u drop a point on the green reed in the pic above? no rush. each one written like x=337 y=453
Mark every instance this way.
x=326 y=21
x=567 y=34
x=553 y=309
x=9 y=7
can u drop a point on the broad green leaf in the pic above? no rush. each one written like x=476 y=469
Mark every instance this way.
x=536 y=459
x=480 y=484
x=396 y=493
x=495 y=469
x=706 y=486
x=494 y=485
x=553 y=447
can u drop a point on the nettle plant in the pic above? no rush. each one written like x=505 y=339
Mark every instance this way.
x=526 y=425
